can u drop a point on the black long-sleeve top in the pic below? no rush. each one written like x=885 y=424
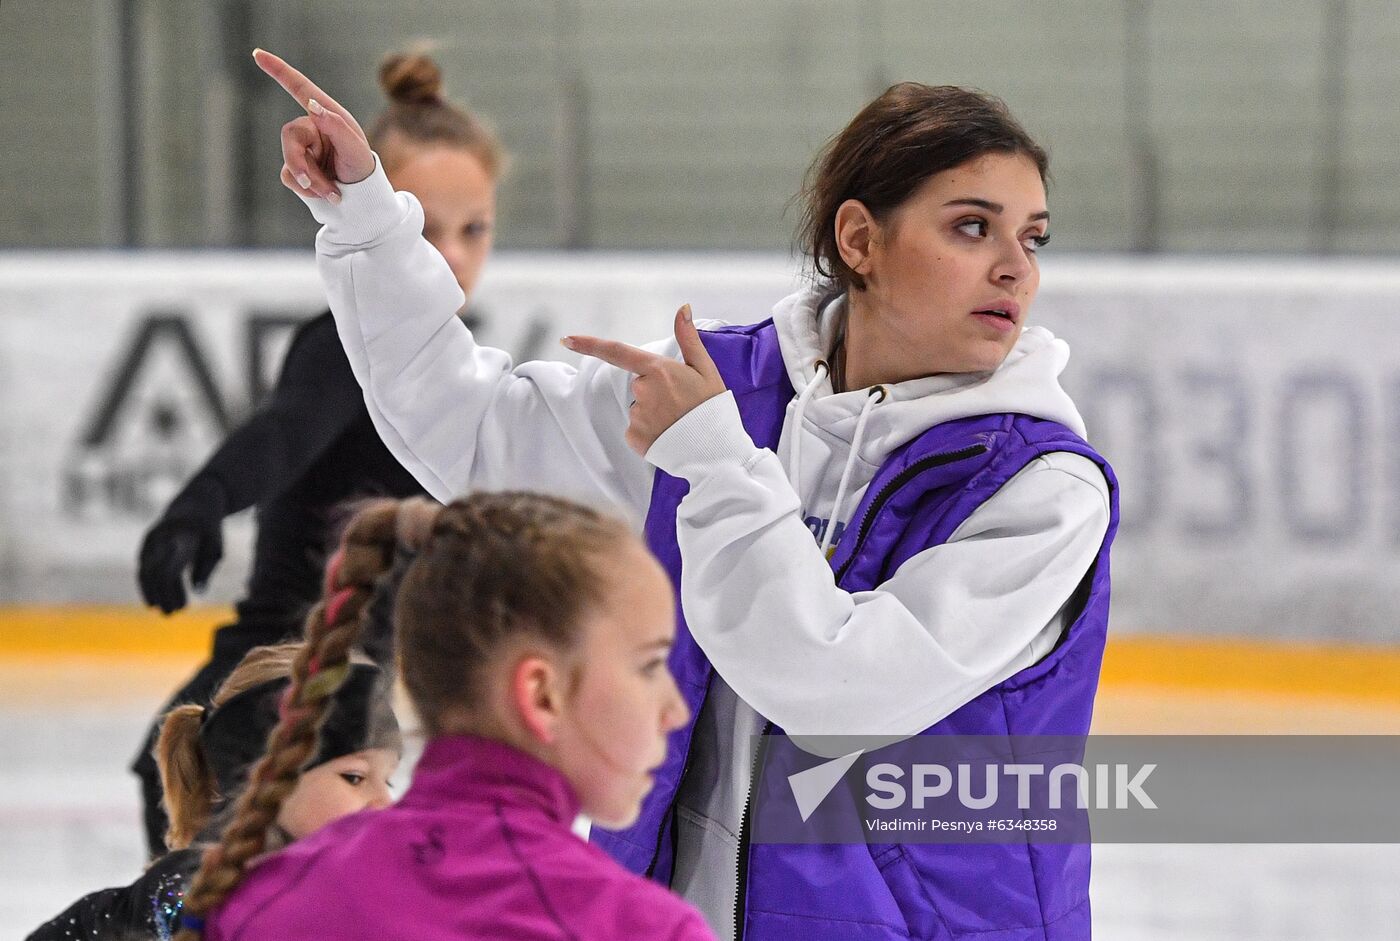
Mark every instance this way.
x=308 y=448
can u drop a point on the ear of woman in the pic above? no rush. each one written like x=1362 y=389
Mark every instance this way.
x=857 y=232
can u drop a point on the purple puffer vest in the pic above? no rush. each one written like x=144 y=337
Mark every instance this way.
x=919 y=497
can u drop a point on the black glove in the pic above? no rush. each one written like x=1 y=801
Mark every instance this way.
x=189 y=536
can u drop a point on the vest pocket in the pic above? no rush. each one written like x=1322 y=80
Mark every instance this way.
x=921 y=916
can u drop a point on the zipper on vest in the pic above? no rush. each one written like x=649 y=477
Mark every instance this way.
x=756 y=772
x=900 y=479
x=742 y=869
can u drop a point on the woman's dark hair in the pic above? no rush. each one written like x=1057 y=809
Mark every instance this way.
x=899 y=140
x=418 y=116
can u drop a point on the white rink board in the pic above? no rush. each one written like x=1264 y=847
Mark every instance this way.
x=1252 y=409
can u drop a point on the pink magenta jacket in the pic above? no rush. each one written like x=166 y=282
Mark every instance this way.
x=480 y=847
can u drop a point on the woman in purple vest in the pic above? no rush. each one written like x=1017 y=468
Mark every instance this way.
x=888 y=520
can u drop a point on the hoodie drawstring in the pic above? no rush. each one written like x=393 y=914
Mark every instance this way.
x=870 y=402
x=795 y=454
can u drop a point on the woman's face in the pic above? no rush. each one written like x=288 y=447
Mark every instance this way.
x=952 y=272
x=623 y=701
x=338 y=788
x=459 y=204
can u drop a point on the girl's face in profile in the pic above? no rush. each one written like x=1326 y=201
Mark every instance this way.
x=338 y=788
x=952 y=272
x=459 y=204
x=623 y=700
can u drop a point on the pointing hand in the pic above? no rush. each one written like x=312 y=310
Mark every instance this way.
x=322 y=148
x=663 y=389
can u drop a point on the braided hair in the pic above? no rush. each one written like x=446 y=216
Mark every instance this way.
x=485 y=569
x=322 y=663
x=495 y=567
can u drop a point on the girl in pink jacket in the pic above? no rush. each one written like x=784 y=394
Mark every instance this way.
x=532 y=636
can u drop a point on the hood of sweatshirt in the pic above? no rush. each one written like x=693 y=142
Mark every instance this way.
x=828 y=437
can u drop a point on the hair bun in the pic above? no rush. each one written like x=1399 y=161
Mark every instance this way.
x=412 y=78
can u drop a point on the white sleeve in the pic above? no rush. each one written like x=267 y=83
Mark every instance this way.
x=456 y=414
x=952 y=622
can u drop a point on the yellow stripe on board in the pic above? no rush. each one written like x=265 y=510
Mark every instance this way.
x=1182 y=663
x=1333 y=671
x=107 y=630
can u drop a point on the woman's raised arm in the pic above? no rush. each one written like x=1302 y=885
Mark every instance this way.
x=456 y=414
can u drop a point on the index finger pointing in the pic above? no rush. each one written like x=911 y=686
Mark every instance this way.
x=292 y=81
x=298 y=85
x=619 y=354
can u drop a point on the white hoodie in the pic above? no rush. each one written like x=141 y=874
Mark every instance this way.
x=758 y=594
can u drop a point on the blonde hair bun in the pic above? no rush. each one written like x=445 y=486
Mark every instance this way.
x=411 y=78
x=418 y=115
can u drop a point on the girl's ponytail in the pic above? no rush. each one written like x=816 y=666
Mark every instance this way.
x=188 y=782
